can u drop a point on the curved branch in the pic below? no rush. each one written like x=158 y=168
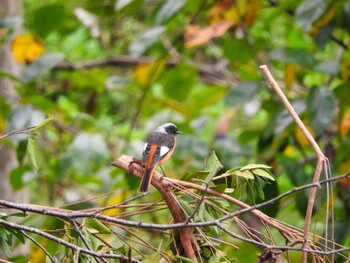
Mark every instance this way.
x=187 y=237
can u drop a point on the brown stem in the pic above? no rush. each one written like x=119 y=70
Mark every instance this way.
x=320 y=156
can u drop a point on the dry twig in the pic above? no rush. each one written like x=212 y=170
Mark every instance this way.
x=322 y=159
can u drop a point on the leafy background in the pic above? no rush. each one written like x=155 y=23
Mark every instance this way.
x=107 y=72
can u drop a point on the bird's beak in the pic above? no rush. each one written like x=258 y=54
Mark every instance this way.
x=178 y=132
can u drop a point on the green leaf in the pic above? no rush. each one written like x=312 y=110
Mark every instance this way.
x=293 y=55
x=184 y=259
x=21 y=150
x=246 y=174
x=284 y=118
x=204 y=97
x=213 y=165
x=5 y=244
x=221 y=188
x=263 y=173
x=31 y=151
x=243 y=93
x=309 y=11
x=47 y=18
x=88 y=151
x=120 y=4
x=321 y=104
x=200 y=175
x=207 y=217
x=147 y=39
x=41 y=65
x=231 y=48
x=178 y=82
x=259 y=189
x=10 y=76
x=185 y=206
x=250 y=190
x=18 y=235
x=168 y=10
x=94 y=226
x=16 y=177
x=255 y=166
x=330 y=67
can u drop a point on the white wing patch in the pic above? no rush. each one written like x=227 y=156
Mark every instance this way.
x=164 y=150
x=145 y=146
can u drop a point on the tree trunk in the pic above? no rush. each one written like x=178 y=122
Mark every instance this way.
x=10 y=10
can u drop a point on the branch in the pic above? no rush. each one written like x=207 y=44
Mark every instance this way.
x=210 y=73
x=187 y=238
x=166 y=184
x=322 y=159
x=65 y=243
x=128 y=164
x=38 y=245
x=120 y=61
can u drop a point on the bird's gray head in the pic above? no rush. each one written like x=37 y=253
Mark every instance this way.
x=168 y=128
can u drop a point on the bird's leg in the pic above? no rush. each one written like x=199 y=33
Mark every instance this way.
x=162 y=170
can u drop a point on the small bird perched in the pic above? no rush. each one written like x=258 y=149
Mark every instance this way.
x=159 y=146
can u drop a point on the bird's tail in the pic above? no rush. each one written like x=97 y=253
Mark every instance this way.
x=146 y=179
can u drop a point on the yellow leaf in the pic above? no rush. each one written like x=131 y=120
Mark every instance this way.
x=344 y=126
x=172 y=104
x=233 y=11
x=300 y=136
x=290 y=75
x=2 y=123
x=114 y=200
x=345 y=70
x=145 y=74
x=323 y=20
x=289 y=151
x=26 y=48
x=37 y=255
x=344 y=167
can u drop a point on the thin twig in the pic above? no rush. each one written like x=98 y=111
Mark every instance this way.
x=68 y=214
x=200 y=201
x=22 y=131
x=39 y=245
x=86 y=243
x=63 y=242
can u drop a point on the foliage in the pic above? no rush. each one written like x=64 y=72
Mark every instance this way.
x=110 y=71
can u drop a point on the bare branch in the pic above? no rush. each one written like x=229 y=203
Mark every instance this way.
x=63 y=242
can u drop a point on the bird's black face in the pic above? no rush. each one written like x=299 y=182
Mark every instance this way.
x=172 y=129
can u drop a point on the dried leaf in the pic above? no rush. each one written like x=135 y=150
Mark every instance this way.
x=344 y=126
x=290 y=75
x=195 y=36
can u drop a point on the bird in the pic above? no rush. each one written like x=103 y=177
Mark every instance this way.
x=159 y=147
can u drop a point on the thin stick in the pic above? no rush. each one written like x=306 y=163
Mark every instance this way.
x=40 y=246
x=322 y=159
